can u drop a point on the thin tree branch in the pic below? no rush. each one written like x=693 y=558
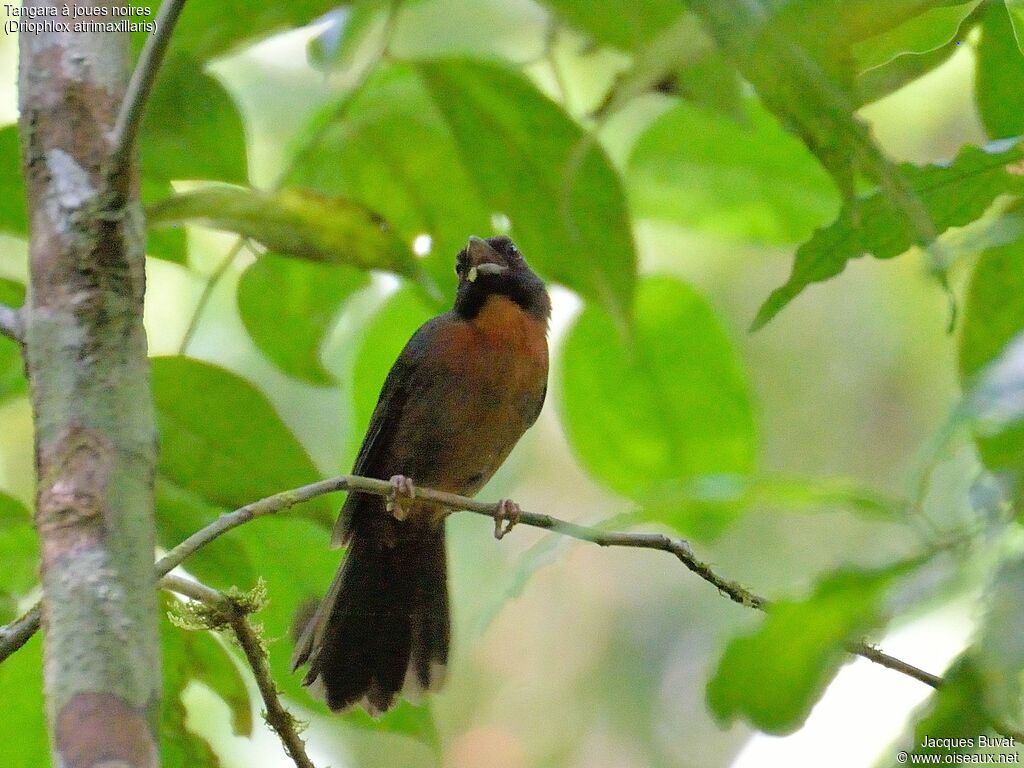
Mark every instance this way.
x=18 y=632
x=677 y=547
x=129 y=118
x=11 y=324
x=871 y=653
x=234 y=615
x=268 y=506
x=208 y=288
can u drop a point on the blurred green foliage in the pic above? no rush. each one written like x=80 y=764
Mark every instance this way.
x=210 y=452
x=748 y=179
x=21 y=550
x=25 y=723
x=12 y=187
x=953 y=195
x=656 y=408
x=774 y=676
x=12 y=370
x=310 y=295
x=584 y=134
x=177 y=146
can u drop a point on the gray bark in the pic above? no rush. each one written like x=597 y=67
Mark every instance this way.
x=86 y=357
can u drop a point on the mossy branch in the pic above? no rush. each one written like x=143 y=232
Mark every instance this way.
x=214 y=610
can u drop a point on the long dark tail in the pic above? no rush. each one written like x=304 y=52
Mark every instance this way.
x=383 y=627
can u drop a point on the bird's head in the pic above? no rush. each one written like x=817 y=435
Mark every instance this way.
x=496 y=267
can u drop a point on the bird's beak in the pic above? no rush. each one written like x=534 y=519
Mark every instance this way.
x=484 y=259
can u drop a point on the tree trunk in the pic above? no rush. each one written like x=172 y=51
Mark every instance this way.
x=94 y=428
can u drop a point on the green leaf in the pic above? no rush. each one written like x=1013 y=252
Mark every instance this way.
x=406 y=719
x=167 y=243
x=223 y=446
x=998 y=75
x=1002 y=224
x=996 y=401
x=216 y=429
x=288 y=306
x=1016 y=10
x=542 y=553
x=19 y=549
x=12 y=293
x=192 y=128
x=13 y=216
x=798 y=56
x=446 y=146
x=348 y=31
x=680 y=58
x=534 y=164
x=12 y=367
x=706 y=505
x=216 y=27
x=953 y=195
x=904 y=68
x=669 y=407
x=927 y=31
x=621 y=25
x=19 y=553
x=181 y=512
x=857 y=20
x=8 y=607
x=999 y=656
x=293 y=222
x=954 y=712
x=23 y=726
x=388 y=147
x=993 y=317
x=381 y=341
x=774 y=676
x=222 y=440
x=994 y=309
x=711 y=82
x=704 y=171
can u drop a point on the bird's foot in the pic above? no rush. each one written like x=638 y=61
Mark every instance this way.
x=401 y=496
x=505 y=518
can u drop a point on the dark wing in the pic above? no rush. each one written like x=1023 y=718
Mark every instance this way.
x=387 y=415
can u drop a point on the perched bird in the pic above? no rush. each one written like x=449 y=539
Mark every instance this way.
x=466 y=387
